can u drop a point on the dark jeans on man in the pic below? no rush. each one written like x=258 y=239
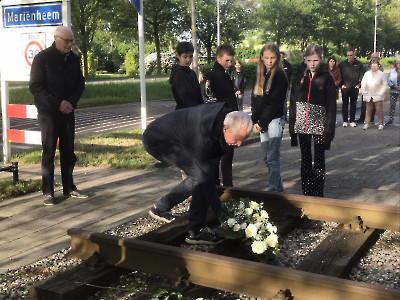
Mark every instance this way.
x=203 y=194
x=363 y=111
x=349 y=94
x=53 y=127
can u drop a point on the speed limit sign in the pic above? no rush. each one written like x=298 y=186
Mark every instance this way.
x=31 y=49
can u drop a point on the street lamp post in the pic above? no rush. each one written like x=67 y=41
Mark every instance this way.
x=376 y=19
x=218 y=33
x=194 y=39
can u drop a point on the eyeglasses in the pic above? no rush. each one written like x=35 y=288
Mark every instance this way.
x=67 y=41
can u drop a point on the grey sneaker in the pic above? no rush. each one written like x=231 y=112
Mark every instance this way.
x=155 y=213
x=389 y=122
x=204 y=237
x=48 y=200
x=76 y=194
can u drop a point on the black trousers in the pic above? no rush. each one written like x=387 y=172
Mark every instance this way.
x=53 y=127
x=203 y=193
x=226 y=166
x=349 y=94
x=312 y=172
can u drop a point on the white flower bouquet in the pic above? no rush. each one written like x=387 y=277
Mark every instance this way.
x=248 y=221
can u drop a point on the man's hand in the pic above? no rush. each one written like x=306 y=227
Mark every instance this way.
x=238 y=92
x=66 y=107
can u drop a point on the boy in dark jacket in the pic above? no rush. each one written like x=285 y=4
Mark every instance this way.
x=185 y=85
x=222 y=89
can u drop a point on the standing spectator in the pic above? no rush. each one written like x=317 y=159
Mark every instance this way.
x=57 y=84
x=267 y=104
x=367 y=67
x=194 y=139
x=393 y=81
x=312 y=117
x=185 y=84
x=335 y=73
x=223 y=91
x=352 y=72
x=374 y=86
x=287 y=67
x=238 y=77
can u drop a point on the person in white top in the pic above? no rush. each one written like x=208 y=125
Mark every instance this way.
x=373 y=86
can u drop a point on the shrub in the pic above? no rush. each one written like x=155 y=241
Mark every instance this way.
x=131 y=62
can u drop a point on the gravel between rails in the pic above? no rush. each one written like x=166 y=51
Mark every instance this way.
x=380 y=265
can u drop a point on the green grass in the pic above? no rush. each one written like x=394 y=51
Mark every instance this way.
x=107 y=93
x=119 y=149
x=8 y=189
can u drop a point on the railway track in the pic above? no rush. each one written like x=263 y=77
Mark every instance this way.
x=228 y=266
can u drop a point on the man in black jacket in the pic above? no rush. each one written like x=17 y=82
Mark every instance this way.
x=194 y=139
x=57 y=84
x=352 y=72
x=223 y=90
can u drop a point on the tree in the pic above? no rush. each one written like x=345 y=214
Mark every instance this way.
x=388 y=35
x=85 y=18
x=235 y=20
x=162 y=17
x=289 y=21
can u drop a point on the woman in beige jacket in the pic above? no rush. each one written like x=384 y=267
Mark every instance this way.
x=373 y=86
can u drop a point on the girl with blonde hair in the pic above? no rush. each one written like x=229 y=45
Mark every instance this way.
x=267 y=108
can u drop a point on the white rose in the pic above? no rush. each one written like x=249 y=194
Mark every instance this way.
x=264 y=214
x=258 y=225
x=258 y=247
x=237 y=227
x=231 y=222
x=241 y=206
x=253 y=205
x=248 y=211
x=251 y=231
x=272 y=240
x=271 y=228
x=243 y=226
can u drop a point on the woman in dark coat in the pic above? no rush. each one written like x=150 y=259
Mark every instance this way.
x=313 y=117
x=335 y=73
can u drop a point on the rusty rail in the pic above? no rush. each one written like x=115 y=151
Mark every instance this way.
x=325 y=209
x=220 y=272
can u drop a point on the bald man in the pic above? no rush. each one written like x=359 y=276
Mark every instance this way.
x=57 y=84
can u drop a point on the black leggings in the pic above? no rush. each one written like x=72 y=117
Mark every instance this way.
x=312 y=173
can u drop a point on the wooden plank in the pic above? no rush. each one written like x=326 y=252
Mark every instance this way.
x=224 y=273
x=339 y=251
x=325 y=209
x=76 y=282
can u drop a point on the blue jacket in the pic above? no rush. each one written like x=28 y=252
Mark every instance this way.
x=392 y=81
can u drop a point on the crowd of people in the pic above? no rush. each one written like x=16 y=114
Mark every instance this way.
x=199 y=137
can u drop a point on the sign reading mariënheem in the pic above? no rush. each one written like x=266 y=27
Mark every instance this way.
x=32 y=15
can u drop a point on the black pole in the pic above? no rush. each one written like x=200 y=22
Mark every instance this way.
x=14 y=169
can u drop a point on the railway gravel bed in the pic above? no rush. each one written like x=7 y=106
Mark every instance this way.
x=380 y=265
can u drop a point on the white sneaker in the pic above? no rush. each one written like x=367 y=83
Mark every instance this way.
x=344 y=124
x=353 y=124
x=365 y=126
x=380 y=127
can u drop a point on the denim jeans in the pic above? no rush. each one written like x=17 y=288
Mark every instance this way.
x=271 y=151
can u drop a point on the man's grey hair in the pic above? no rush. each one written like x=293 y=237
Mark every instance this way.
x=237 y=120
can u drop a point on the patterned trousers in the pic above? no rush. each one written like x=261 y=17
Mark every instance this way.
x=312 y=172
x=392 y=108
